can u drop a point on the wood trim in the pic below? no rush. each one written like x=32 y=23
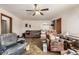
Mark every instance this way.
x=57 y=25
x=0 y=23
x=5 y=15
x=10 y=21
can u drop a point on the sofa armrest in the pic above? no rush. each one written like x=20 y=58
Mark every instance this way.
x=2 y=49
x=20 y=40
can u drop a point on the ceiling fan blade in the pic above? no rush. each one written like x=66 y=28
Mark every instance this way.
x=35 y=5
x=29 y=10
x=34 y=13
x=41 y=13
x=46 y=9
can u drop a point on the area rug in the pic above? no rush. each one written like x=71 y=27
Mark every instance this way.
x=35 y=47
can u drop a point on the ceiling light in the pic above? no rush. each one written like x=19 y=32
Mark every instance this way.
x=37 y=13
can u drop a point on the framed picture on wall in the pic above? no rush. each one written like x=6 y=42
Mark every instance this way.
x=29 y=26
x=26 y=25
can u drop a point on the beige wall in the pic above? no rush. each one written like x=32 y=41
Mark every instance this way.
x=19 y=25
x=0 y=23
x=35 y=24
x=16 y=22
x=70 y=21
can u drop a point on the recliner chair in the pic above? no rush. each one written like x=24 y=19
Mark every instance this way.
x=11 y=45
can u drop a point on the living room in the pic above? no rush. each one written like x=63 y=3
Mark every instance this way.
x=35 y=27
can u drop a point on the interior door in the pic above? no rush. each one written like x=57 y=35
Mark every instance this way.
x=58 y=25
x=4 y=26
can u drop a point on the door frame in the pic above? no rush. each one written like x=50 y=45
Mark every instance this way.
x=10 y=21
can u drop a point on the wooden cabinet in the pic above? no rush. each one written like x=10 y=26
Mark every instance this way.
x=57 y=25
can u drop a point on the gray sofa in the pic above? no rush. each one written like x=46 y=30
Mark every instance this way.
x=11 y=45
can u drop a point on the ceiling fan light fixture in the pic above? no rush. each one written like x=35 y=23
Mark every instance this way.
x=37 y=12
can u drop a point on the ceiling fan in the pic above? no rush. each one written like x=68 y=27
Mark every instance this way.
x=36 y=10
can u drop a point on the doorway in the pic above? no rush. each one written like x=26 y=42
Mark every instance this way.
x=57 y=25
x=6 y=24
x=4 y=27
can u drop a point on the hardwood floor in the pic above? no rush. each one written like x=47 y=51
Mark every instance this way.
x=35 y=47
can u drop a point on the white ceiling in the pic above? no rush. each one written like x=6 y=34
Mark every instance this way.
x=19 y=10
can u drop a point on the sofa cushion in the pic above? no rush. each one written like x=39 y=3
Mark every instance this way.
x=2 y=49
x=8 y=39
x=16 y=49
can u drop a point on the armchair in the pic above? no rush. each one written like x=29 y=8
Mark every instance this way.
x=54 y=42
